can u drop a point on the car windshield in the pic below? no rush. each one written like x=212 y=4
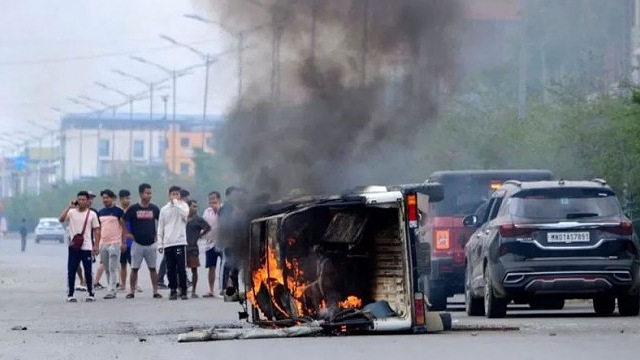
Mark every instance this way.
x=50 y=224
x=463 y=196
x=565 y=204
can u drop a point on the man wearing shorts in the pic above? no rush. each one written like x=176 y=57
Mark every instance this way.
x=142 y=219
x=196 y=228
x=124 y=198
x=212 y=254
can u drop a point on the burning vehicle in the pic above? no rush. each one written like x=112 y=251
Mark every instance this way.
x=351 y=262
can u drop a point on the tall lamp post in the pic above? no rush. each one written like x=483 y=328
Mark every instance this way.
x=240 y=38
x=80 y=140
x=208 y=61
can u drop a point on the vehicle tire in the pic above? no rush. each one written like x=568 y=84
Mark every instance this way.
x=437 y=298
x=494 y=307
x=37 y=240
x=629 y=304
x=604 y=305
x=474 y=305
x=61 y=241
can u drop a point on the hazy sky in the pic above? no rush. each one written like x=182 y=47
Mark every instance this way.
x=54 y=49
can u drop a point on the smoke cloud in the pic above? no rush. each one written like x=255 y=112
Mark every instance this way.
x=341 y=91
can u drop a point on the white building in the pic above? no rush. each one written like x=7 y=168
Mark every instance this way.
x=108 y=146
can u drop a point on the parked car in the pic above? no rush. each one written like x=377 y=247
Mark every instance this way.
x=546 y=241
x=50 y=229
x=464 y=191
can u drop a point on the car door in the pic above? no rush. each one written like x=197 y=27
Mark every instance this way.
x=475 y=245
x=490 y=229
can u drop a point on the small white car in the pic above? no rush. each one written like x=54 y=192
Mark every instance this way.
x=50 y=229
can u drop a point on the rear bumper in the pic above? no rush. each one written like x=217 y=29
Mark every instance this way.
x=569 y=278
x=447 y=274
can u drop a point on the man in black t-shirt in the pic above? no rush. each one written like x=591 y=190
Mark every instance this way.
x=141 y=218
x=196 y=228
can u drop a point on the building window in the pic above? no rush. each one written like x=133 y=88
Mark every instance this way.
x=104 y=147
x=184 y=168
x=138 y=148
x=184 y=143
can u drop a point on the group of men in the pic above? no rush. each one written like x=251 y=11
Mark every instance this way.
x=133 y=233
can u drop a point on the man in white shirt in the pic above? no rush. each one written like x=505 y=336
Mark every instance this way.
x=81 y=220
x=172 y=238
x=212 y=253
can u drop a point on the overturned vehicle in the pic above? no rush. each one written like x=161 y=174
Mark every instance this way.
x=352 y=263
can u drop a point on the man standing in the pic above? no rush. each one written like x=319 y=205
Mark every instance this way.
x=112 y=239
x=196 y=228
x=124 y=198
x=229 y=234
x=23 y=234
x=212 y=253
x=81 y=221
x=142 y=220
x=172 y=235
x=162 y=272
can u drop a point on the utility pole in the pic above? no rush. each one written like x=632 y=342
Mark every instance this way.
x=365 y=42
x=522 y=66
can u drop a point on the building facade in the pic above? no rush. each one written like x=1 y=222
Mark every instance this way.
x=109 y=146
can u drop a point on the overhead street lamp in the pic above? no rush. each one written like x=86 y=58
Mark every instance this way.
x=240 y=38
x=208 y=61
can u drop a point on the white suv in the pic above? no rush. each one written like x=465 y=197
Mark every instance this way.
x=50 y=229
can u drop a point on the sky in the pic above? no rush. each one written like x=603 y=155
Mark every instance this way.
x=57 y=49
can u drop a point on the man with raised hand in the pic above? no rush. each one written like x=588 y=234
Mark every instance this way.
x=172 y=236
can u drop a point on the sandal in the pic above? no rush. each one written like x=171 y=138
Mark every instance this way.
x=207 y=295
x=130 y=296
x=157 y=296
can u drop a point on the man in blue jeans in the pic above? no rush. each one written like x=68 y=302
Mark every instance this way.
x=81 y=220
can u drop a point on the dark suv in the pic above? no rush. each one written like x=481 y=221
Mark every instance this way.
x=542 y=242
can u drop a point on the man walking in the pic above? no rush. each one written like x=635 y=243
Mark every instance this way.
x=142 y=221
x=172 y=235
x=83 y=222
x=212 y=253
x=23 y=235
x=112 y=239
x=196 y=228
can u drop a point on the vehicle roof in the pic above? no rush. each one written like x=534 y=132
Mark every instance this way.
x=48 y=219
x=504 y=174
x=557 y=184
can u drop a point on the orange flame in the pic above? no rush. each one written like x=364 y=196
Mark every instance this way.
x=270 y=274
x=352 y=302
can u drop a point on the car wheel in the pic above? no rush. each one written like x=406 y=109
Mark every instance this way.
x=474 y=305
x=437 y=297
x=37 y=240
x=629 y=304
x=604 y=305
x=61 y=241
x=494 y=307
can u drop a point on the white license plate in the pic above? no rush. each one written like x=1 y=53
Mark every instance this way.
x=568 y=237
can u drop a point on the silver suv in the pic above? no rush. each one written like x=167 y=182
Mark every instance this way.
x=50 y=229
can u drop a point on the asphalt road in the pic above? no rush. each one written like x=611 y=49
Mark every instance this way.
x=32 y=295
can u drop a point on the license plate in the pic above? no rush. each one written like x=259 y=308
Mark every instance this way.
x=568 y=237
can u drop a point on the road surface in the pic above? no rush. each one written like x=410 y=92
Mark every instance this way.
x=32 y=295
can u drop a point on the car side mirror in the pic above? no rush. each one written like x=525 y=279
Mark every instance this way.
x=470 y=221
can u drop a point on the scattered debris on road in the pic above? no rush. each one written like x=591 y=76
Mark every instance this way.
x=19 y=328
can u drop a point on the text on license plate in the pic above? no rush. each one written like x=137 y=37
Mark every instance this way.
x=568 y=237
